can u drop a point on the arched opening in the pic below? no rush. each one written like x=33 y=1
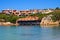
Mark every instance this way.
x=31 y=22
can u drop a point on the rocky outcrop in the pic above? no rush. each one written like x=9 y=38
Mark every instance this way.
x=6 y=24
x=48 y=21
x=28 y=18
x=25 y=20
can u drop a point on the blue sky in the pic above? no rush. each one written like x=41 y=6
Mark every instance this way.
x=28 y=4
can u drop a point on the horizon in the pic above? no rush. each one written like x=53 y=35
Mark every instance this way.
x=29 y=4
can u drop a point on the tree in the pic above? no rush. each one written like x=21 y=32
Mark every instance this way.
x=57 y=8
x=56 y=16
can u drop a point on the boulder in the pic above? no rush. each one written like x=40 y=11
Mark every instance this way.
x=48 y=21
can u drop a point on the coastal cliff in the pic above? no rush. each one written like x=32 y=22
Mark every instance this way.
x=48 y=21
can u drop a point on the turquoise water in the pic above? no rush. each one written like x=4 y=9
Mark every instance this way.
x=29 y=33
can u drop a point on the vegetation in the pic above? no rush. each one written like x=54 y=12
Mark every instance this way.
x=40 y=15
x=57 y=8
x=12 y=18
x=9 y=18
x=56 y=16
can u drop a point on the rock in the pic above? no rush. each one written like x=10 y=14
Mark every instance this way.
x=6 y=24
x=48 y=21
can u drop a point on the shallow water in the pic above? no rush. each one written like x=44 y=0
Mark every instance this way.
x=29 y=33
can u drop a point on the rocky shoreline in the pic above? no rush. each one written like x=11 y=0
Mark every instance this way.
x=42 y=24
x=45 y=21
x=6 y=24
x=48 y=21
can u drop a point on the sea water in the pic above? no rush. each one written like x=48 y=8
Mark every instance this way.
x=29 y=33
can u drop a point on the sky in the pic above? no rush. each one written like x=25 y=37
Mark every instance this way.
x=28 y=4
